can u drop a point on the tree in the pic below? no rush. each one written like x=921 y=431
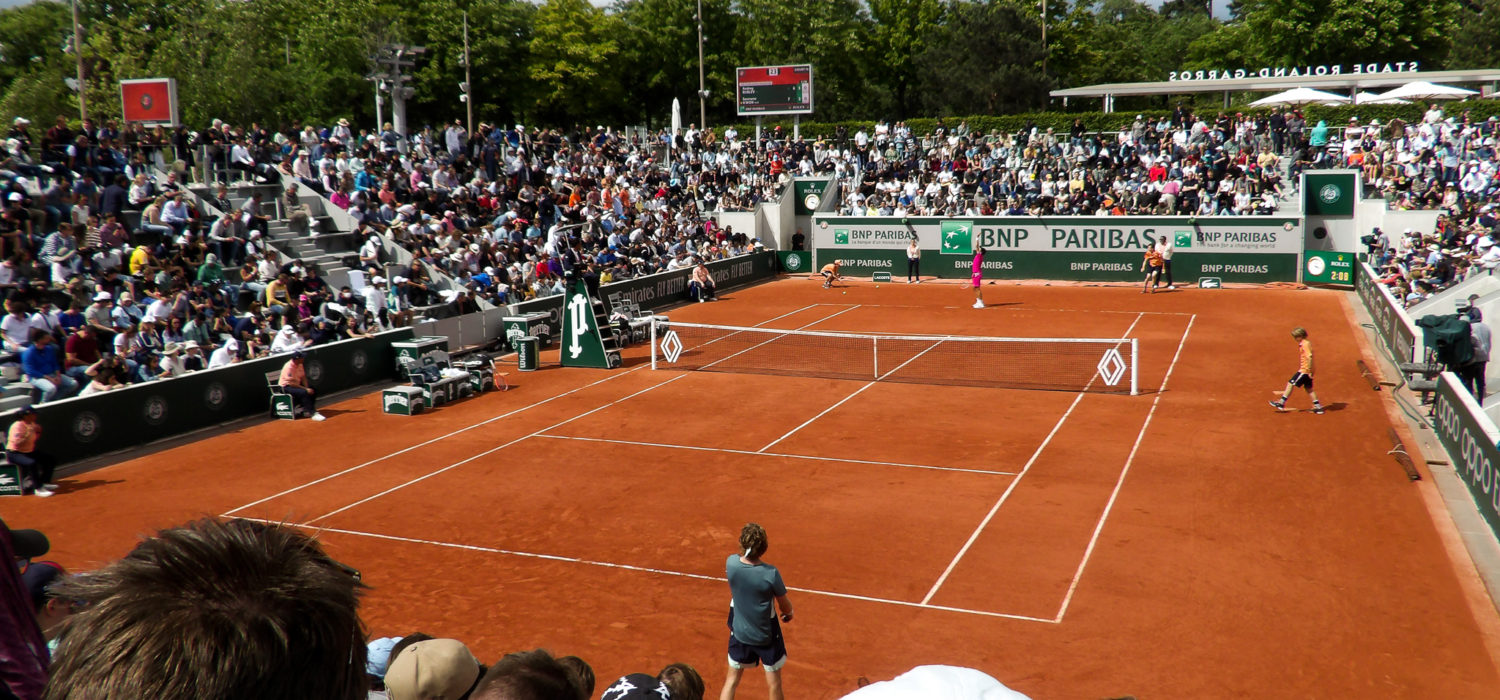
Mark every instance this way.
x=984 y=59
x=1317 y=32
x=499 y=46
x=900 y=28
x=573 y=50
x=1181 y=8
x=33 y=67
x=1232 y=45
x=660 y=54
x=1131 y=42
x=1476 y=43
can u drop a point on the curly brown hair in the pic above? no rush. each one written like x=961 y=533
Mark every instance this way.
x=753 y=540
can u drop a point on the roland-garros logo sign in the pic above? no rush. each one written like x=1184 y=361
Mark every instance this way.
x=1294 y=71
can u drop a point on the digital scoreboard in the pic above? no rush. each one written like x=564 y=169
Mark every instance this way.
x=774 y=90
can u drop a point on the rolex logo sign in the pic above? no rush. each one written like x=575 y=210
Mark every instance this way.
x=155 y=410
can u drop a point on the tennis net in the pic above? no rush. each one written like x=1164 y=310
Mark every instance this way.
x=1104 y=365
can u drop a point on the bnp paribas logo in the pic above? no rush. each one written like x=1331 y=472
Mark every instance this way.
x=1182 y=239
x=957 y=237
x=1329 y=194
x=841 y=236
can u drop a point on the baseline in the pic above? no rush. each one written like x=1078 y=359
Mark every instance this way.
x=643 y=569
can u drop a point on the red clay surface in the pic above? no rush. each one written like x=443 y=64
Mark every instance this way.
x=1243 y=553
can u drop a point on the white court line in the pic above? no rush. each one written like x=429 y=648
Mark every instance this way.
x=857 y=392
x=1014 y=482
x=644 y=569
x=497 y=448
x=426 y=443
x=778 y=454
x=440 y=438
x=493 y=450
x=1093 y=540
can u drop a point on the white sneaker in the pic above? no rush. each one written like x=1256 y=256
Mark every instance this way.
x=978 y=304
x=1171 y=286
x=41 y=493
x=48 y=487
x=319 y=417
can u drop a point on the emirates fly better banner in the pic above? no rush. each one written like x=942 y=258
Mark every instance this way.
x=1236 y=249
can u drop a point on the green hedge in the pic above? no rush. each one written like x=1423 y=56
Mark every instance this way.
x=1100 y=121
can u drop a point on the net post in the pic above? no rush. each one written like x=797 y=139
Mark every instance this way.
x=653 y=344
x=1135 y=346
x=875 y=346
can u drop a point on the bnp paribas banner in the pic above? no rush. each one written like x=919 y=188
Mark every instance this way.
x=1234 y=249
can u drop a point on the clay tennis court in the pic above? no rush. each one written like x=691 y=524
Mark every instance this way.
x=1188 y=541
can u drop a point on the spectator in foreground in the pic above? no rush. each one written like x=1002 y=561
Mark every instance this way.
x=23 y=649
x=432 y=669
x=214 y=610
x=581 y=674
x=377 y=662
x=534 y=675
x=683 y=681
x=636 y=686
x=51 y=611
x=937 y=683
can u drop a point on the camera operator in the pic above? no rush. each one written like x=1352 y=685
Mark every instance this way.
x=1472 y=372
x=1374 y=243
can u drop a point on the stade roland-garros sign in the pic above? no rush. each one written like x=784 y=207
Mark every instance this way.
x=1254 y=249
x=1295 y=71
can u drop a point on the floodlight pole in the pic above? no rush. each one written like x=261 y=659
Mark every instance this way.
x=468 y=81
x=702 y=92
x=396 y=57
x=83 y=109
x=1044 y=36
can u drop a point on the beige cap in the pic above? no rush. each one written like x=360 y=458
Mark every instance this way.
x=434 y=669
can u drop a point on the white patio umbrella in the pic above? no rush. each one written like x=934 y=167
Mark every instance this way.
x=676 y=116
x=1298 y=97
x=1423 y=90
x=1371 y=98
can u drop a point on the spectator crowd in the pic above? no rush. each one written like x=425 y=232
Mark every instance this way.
x=1181 y=164
x=508 y=213
x=115 y=273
